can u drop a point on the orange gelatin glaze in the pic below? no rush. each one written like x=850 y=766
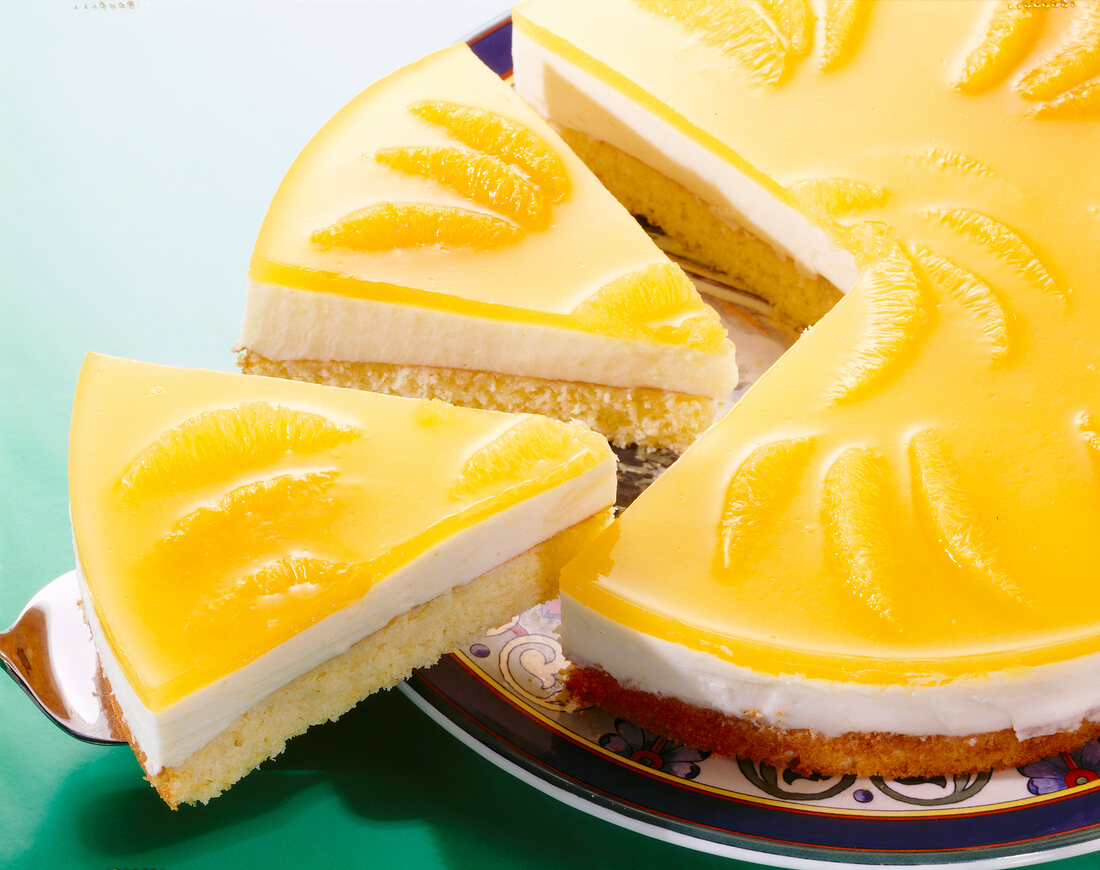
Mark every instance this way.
x=231 y=512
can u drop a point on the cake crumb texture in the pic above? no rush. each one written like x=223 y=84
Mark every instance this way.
x=643 y=416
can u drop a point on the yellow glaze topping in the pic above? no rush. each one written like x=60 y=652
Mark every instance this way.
x=438 y=187
x=911 y=493
x=232 y=512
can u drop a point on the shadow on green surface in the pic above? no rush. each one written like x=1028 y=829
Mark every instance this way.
x=393 y=772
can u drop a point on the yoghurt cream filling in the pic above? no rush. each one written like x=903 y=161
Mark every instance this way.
x=168 y=737
x=732 y=196
x=1032 y=701
x=284 y=323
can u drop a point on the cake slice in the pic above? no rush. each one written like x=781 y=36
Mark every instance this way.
x=889 y=537
x=257 y=555
x=437 y=239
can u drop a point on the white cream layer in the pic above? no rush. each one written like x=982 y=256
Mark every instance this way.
x=1032 y=701
x=168 y=737
x=732 y=196
x=283 y=323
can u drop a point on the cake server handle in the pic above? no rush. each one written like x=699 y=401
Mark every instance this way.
x=48 y=651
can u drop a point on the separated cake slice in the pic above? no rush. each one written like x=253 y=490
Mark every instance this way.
x=437 y=239
x=875 y=563
x=257 y=555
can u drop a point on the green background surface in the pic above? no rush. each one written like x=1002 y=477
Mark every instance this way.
x=140 y=146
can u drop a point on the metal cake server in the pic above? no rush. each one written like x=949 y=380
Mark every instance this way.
x=48 y=651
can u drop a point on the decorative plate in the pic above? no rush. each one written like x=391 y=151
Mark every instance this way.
x=502 y=696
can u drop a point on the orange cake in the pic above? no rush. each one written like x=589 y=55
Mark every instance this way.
x=877 y=563
x=437 y=239
x=257 y=555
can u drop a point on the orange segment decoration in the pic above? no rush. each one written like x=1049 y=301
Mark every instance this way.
x=481 y=178
x=223 y=440
x=512 y=455
x=415 y=225
x=1009 y=35
x=495 y=135
x=659 y=304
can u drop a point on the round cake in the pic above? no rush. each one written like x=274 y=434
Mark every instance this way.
x=876 y=563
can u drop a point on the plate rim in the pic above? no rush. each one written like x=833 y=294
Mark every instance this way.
x=525 y=765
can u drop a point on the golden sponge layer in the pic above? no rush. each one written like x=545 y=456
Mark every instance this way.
x=413 y=640
x=648 y=417
x=741 y=259
x=891 y=756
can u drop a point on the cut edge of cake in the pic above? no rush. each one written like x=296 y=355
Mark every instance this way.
x=693 y=232
x=251 y=562
x=642 y=416
x=414 y=640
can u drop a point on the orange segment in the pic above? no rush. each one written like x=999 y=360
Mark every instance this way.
x=738 y=28
x=1009 y=36
x=972 y=293
x=1074 y=63
x=943 y=160
x=1001 y=242
x=894 y=314
x=960 y=529
x=416 y=225
x=1077 y=104
x=216 y=444
x=636 y=305
x=259 y=601
x=839 y=196
x=481 y=178
x=500 y=137
x=845 y=23
x=794 y=20
x=512 y=456
x=763 y=483
x=242 y=520
x=854 y=507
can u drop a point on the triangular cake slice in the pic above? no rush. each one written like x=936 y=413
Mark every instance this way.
x=876 y=563
x=256 y=555
x=437 y=239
